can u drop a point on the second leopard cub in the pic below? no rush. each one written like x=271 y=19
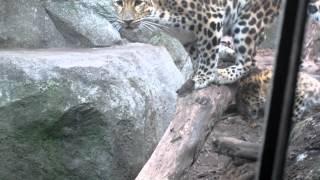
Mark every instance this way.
x=253 y=91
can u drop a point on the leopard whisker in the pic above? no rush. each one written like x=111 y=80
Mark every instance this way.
x=150 y=26
x=153 y=28
x=146 y=26
x=160 y=26
x=164 y=28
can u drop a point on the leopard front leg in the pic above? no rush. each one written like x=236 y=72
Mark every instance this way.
x=203 y=67
x=208 y=62
x=245 y=46
x=208 y=48
x=223 y=50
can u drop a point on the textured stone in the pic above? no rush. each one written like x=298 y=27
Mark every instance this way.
x=303 y=158
x=83 y=114
x=80 y=23
x=179 y=55
x=26 y=24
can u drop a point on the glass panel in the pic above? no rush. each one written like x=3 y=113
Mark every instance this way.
x=303 y=157
x=80 y=98
x=251 y=98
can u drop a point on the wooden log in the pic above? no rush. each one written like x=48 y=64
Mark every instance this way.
x=196 y=114
x=236 y=148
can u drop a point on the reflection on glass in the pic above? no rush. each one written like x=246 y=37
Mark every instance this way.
x=84 y=95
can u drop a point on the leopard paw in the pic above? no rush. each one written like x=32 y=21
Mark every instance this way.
x=200 y=84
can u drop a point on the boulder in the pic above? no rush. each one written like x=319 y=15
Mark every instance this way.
x=158 y=38
x=82 y=22
x=83 y=113
x=25 y=24
x=55 y=24
x=75 y=23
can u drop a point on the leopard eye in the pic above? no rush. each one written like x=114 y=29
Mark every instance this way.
x=119 y=2
x=138 y=2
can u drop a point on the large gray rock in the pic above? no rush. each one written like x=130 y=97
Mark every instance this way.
x=159 y=38
x=81 y=22
x=74 y=23
x=83 y=114
x=26 y=24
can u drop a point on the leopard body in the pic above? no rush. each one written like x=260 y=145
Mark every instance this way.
x=207 y=21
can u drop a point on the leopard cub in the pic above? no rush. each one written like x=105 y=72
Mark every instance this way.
x=253 y=90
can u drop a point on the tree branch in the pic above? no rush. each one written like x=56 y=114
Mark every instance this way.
x=196 y=114
x=236 y=148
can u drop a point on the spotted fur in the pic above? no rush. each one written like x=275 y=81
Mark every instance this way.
x=208 y=21
x=253 y=91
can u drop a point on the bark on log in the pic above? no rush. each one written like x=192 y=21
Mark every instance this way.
x=236 y=148
x=179 y=147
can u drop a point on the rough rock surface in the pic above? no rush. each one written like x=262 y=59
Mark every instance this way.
x=83 y=113
x=81 y=22
x=304 y=154
x=74 y=23
x=179 y=55
x=26 y=24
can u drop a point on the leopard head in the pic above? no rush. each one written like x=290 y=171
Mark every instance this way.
x=130 y=13
x=314 y=10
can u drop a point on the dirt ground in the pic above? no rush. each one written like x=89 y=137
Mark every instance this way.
x=213 y=166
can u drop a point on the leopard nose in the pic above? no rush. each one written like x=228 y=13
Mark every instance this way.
x=128 y=21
